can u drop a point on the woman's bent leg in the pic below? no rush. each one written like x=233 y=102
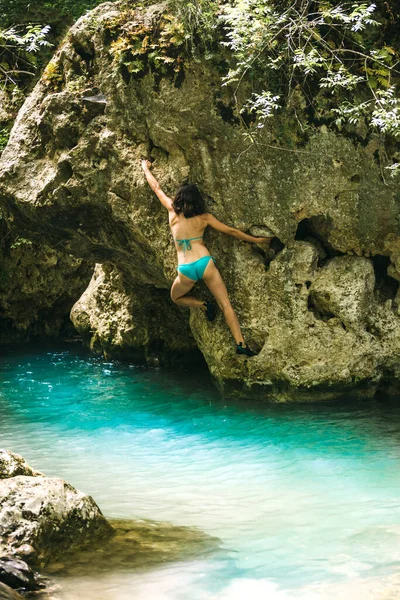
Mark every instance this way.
x=216 y=285
x=182 y=286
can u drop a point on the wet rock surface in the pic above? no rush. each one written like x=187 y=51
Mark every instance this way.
x=71 y=175
x=7 y=593
x=17 y=574
x=43 y=517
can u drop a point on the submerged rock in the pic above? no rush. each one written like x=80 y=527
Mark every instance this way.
x=71 y=176
x=43 y=517
x=137 y=544
x=61 y=530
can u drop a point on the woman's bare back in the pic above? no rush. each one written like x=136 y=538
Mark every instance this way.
x=187 y=229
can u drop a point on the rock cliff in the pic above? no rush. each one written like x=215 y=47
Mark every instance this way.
x=38 y=286
x=322 y=310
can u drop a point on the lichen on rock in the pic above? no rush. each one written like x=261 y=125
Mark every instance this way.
x=71 y=175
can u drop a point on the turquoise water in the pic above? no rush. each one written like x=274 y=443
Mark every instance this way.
x=305 y=499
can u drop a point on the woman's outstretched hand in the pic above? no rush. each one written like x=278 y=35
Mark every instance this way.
x=146 y=164
x=262 y=240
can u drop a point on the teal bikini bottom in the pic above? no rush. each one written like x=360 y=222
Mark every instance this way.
x=195 y=270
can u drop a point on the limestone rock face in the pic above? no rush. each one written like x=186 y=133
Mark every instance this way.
x=12 y=464
x=345 y=288
x=119 y=320
x=71 y=175
x=38 y=286
x=42 y=517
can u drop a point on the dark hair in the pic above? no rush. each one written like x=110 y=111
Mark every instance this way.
x=189 y=201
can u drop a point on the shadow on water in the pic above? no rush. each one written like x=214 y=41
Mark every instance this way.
x=185 y=399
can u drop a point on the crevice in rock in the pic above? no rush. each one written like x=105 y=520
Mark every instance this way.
x=87 y=55
x=316 y=230
x=226 y=111
x=319 y=314
x=92 y=110
x=275 y=248
x=65 y=170
x=179 y=79
x=372 y=330
x=385 y=286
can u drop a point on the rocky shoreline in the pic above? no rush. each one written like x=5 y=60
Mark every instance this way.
x=48 y=527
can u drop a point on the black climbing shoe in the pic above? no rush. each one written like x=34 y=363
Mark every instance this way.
x=240 y=349
x=211 y=310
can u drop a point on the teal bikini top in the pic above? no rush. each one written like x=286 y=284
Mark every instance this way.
x=185 y=244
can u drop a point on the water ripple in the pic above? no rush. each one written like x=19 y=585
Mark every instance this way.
x=305 y=498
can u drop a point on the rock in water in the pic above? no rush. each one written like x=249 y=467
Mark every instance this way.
x=7 y=593
x=12 y=464
x=120 y=320
x=138 y=544
x=17 y=574
x=71 y=176
x=42 y=517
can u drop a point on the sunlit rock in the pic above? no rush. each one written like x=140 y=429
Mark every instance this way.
x=43 y=517
x=71 y=176
x=12 y=464
x=138 y=322
x=344 y=288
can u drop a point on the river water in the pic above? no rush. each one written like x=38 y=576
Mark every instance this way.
x=305 y=499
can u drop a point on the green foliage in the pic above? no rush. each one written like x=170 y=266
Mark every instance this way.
x=20 y=241
x=52 y=75
x=386 y=111
x=20 y=11
x=262 y=106
x=4 y=135
x=18 y=49
x=321 y=50
x=73 y=8
x=24 y=44
x=199 y=19
x=137 y=47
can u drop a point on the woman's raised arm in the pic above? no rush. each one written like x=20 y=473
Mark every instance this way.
x=240 y=235
x=155 y=186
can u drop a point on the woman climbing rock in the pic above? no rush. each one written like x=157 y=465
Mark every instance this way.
x=188 y=220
